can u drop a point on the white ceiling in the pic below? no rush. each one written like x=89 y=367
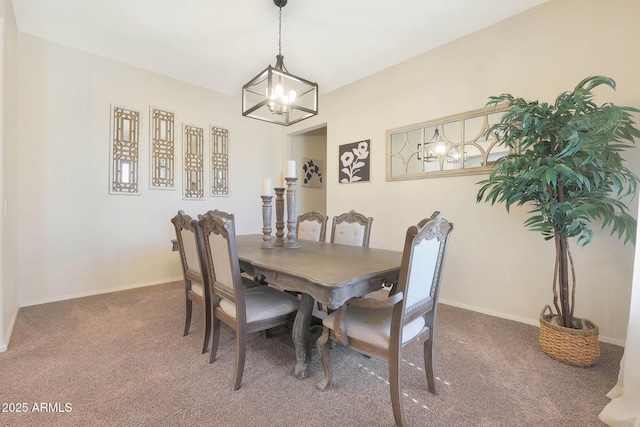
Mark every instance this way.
x=221 y=45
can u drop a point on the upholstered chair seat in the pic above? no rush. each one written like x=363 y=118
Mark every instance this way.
x=373 y=325
x=197 y=289
x=262 y=303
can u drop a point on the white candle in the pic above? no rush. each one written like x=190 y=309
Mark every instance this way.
x=291 y=169
x=266 y=187
x=281 y=183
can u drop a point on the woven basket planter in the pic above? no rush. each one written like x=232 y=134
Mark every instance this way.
x=578 y=347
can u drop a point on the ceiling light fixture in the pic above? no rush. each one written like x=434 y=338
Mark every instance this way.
x=276 y=96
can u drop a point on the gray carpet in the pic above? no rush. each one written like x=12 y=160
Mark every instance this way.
x=119 y=359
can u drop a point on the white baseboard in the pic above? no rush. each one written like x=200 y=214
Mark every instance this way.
x=532 y=322
x=102 y=291
x=5 y=345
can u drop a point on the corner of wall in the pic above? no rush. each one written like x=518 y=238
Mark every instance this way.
x=9 y=330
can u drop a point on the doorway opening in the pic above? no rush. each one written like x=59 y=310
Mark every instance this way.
x=309 y=149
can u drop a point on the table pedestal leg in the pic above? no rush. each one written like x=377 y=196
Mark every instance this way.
x=301 y=338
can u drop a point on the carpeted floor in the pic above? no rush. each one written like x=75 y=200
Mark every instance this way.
x=119 y=359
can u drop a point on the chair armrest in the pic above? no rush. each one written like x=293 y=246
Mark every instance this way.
x=341 y=330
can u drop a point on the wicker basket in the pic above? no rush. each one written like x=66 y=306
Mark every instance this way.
x=578 y=347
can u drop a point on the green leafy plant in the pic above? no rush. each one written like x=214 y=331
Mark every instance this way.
x=566 y=164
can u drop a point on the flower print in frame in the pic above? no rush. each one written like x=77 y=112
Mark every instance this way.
x=354 y=162
x=312 y=173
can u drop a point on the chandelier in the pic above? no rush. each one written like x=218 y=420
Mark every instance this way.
x=436 y=148
x=275 y=95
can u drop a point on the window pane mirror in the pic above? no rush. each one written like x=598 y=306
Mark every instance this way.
x=453 y=145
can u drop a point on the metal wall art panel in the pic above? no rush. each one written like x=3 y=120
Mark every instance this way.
x=219 y=138
x=162 y=152
x=193 y=177
x=124 y=150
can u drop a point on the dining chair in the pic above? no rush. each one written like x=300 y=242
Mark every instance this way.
x=390 y=328
x=195 y=290
x=312 y=226
x=245 y=310
x=351 y=228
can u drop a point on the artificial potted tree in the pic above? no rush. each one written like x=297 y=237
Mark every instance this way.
x=566 y=164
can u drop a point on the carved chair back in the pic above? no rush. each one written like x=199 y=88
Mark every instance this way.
x=351 y=228
x=312 y=226
x=225 y=215
x=188 y=248
x=420 y=274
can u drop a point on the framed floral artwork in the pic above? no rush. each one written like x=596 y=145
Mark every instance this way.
x=312 y=173
x=354 y=162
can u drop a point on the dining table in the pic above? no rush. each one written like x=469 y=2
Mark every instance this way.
x=327 y=273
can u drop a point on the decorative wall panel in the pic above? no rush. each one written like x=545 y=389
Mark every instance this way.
x=193 y=176
x=162 y=152
x=219 y=161
x=453 y=145
x=354 y=162
x=125 y=137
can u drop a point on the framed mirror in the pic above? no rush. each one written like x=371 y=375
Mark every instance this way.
x=453 y=145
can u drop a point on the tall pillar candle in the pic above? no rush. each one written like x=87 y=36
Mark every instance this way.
x=266 y=187
x=291 y=169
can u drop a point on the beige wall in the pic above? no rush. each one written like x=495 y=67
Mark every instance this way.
x=8 y=167
x=75 y=238
x=494 y=265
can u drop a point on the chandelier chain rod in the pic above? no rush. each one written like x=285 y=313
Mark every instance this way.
x=280 y=33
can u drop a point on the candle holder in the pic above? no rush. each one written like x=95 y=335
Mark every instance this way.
x=279 y=217
x=267 y=243
x=292 y=219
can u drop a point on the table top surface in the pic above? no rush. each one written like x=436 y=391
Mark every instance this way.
x=326 y=264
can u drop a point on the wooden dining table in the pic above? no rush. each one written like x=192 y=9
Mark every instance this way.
x=327 y=273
